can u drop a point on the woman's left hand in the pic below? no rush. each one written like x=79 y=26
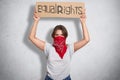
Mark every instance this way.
x=83 y=16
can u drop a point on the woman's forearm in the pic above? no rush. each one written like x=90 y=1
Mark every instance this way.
x=85 y=32
x=33 y=30
x=86 y=38
x=32 y=36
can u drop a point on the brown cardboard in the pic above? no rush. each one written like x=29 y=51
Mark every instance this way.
x=59 y=9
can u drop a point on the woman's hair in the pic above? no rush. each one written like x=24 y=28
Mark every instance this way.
x=62 y=28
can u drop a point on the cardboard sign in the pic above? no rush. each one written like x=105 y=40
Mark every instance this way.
x=59 y=9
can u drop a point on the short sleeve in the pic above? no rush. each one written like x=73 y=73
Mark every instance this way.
x=47 y=48
x=71 y=48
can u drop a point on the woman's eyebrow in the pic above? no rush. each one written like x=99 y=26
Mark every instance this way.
x=58 y=34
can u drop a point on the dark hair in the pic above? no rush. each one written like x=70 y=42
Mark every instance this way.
x=60 y=27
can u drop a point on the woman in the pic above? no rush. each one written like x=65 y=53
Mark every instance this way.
x=59 y=53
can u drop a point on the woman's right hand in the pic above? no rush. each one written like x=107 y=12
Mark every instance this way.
x=83 y=16
x=36 y=17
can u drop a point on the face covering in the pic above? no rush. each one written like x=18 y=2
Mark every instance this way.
x=60 y=45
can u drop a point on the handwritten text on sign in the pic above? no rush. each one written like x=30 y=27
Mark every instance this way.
x=59 y=9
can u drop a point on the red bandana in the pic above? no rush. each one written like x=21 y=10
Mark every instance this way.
x=60 y=45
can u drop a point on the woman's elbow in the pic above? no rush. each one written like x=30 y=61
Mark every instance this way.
x=87 y=40
x=30 y=37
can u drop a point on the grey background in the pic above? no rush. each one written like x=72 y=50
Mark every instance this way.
x=98 y=60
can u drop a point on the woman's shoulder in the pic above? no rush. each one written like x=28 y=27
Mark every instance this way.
x=47 y=44
x=70 y=45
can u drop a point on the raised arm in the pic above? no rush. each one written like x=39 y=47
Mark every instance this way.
x=32 y=36
x=86 y=38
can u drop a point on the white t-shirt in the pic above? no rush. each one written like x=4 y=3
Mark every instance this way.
x=58 y=68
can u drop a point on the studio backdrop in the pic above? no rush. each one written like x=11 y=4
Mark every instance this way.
x=98 y=60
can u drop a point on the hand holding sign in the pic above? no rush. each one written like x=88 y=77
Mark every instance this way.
x=83 y=16
x=36 y=16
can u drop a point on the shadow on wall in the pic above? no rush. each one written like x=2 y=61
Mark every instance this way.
x=48 y=37
x=78 y=29
x=32 y=46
